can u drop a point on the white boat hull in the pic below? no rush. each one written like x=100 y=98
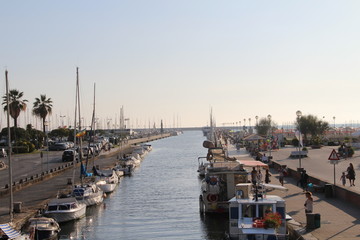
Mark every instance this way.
x=93 y=199
x=65 y=216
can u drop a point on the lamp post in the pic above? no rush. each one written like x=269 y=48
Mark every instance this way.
x=47 y=144
x=62 y=120
x=269 y=137
x=250 y=131
x=256 y=118
x=334 y=126
x=299 y=114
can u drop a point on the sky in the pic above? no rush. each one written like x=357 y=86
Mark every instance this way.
x=176 y=60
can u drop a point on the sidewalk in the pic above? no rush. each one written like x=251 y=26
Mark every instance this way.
x=338 y=219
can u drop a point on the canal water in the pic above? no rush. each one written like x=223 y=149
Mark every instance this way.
x=159 y=201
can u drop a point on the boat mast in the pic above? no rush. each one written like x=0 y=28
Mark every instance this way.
x=76 y=99
x=92 y=128
x=9 y=147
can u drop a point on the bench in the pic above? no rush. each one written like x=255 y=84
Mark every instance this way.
x=296 y=154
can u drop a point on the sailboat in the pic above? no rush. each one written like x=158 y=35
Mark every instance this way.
x=87 y=192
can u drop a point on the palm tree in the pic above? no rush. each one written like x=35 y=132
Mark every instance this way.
x=42 y=107
x=16 y=104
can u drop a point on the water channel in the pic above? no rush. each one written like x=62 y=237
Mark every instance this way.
x=159 y=201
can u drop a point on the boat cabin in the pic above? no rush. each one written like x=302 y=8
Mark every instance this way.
x=255 y=215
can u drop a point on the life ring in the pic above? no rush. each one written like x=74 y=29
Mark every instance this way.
x=212 y=197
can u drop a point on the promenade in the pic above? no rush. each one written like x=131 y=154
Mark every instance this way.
x=338 y=219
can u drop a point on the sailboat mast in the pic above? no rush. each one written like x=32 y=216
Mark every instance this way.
x=76 y=99
x=9 y=147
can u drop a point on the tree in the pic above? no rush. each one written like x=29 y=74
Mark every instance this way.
x=263 y=127
x=311 y=125
x=42 y=107
x=16 y=104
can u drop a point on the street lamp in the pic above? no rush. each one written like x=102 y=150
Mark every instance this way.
x=299 y=114
x=334 y=126
x=47 y=143
x=62 y=120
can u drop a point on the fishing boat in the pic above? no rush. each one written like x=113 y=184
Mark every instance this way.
x=255 y=215
x=65 y=209
x=218 y=186
x=43 y=228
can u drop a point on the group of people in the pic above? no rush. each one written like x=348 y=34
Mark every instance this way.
x=349 y=174
x=257 y=176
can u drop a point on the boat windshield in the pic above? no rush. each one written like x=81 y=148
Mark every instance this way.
x=256 y=210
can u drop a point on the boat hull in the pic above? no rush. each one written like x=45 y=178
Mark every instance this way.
x=65 y=216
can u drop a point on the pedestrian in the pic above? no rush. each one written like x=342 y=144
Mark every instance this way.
x=267 y=176
x=351 y=174
x=264 y=158
x=304 y=180
x=343 y=179
x=253 y=176
x=281 y=176
x=259 y=176
x=308 y=203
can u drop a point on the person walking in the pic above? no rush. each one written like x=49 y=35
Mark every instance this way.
x=259 y=177
x=351 y=174
x=343 y=179
x=304 y=180
x=281 y=176
x=308 y=203
x=267 y=176
x=253 y=176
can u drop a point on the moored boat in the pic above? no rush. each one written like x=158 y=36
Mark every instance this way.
x=43 y=228
x=218 y=186
x=88 y=193
x=65 y=209
x=255 y=215
x=107 y=180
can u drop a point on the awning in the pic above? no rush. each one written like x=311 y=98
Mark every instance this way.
x=9 y=231
x=253 y=163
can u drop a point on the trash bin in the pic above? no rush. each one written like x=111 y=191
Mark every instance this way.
x=317 y=220
x=328 y=190
x=17 y=207
x=312 y=220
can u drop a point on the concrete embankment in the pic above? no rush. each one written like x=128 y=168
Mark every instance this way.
x=32 y=194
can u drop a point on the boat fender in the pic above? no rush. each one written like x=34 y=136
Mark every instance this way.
x=212 y=197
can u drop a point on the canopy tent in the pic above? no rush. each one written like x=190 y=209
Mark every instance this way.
x=253 y=137
x=253 y=163
x=9 y=231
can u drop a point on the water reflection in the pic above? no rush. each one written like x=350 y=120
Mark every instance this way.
x=159 y=201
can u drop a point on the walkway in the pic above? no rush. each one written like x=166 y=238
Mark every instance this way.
x=339 y=220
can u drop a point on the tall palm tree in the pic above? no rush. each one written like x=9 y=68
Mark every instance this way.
x=42 y=107
x=16 y=104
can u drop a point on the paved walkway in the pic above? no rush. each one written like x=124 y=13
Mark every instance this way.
x=339 y=220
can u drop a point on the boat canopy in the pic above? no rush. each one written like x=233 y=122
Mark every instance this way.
x=9 y=231
x=253 y=163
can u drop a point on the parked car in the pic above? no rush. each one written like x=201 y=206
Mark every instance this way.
x=58 y=147
x=3 y=153
x=68 y=155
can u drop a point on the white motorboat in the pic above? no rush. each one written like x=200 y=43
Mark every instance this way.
x=88 y=193
x=43 y=228
x=255 y=215
x=65 y=209
x=107 y=180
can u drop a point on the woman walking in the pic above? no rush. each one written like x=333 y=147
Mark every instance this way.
x=351 y=174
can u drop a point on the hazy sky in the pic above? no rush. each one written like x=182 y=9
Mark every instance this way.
x=174 y=60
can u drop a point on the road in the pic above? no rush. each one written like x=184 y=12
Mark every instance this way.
x=27 y=165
